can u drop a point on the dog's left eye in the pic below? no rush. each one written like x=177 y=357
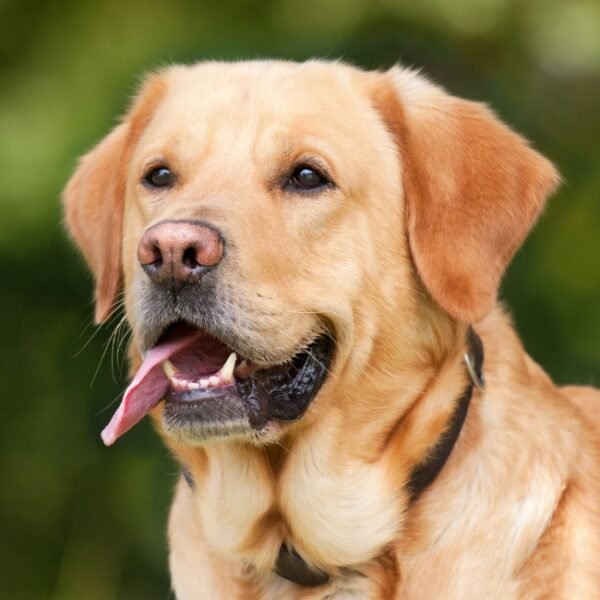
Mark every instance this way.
x=159 y=177
x=307 y=178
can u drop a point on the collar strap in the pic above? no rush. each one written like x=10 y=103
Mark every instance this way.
x=425 y=473
x=291 y=566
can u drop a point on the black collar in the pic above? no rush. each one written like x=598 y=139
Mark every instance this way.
x=291 y=566
x=424 y=474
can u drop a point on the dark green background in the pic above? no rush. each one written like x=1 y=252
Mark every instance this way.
x=81 y=522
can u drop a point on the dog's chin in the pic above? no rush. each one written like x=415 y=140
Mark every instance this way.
x=198 y=430
x=214 y=393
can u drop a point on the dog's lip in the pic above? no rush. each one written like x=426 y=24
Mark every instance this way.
x=244 y=405
x=190 y=366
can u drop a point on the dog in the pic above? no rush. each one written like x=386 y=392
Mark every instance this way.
x=310 y=256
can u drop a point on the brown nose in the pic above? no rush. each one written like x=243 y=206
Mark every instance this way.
x=179 y=252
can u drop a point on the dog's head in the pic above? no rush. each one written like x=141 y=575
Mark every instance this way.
x=283 y=230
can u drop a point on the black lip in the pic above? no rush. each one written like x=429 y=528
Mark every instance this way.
x=282 y=392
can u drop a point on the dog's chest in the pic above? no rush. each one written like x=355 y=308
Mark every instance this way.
x=343 y=515
x=340 y=517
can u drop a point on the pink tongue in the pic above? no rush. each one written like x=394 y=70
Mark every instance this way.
x=147 y=388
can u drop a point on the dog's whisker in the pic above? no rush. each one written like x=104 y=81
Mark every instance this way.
x=96 y=331
x=89 y=322
x=115 y=338
x=109 y=344
x=109 y=404
x=106 y=323
x=124 y=344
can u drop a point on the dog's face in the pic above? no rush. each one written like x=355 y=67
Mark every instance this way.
x=302 y=217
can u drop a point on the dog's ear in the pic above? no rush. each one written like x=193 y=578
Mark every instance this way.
x=473 y=189
x=93 y=201
x=94 y=197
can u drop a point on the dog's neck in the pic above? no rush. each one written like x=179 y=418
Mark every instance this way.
x=326 y=499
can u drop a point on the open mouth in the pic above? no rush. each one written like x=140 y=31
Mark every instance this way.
x=211 y=391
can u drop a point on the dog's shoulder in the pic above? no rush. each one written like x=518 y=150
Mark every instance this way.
x=587 y=400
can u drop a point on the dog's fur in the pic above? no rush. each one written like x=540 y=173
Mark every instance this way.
x=433 y=196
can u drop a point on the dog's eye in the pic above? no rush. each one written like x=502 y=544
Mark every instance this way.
x=307 y=178
x=159 y=177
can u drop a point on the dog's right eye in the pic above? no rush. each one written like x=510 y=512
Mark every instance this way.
x=306 y=178
x=158 y=177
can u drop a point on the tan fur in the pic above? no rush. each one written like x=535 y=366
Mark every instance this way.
x=95 y=195
x=434 y=195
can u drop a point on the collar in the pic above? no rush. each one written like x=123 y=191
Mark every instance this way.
x=425 y=473
x=291 y=566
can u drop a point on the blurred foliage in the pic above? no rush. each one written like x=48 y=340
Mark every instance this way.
x=80 y=521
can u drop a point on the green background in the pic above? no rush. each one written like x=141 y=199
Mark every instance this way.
x=81 y=522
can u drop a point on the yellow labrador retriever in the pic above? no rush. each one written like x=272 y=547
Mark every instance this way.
x=310 y=256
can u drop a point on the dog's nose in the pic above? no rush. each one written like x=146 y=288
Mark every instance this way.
x=179 y=252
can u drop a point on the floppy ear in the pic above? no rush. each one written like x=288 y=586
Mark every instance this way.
x=93 y=201
x=473 y=189
x=95 y=195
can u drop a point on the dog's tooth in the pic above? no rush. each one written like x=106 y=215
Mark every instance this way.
x=193 y=386
x=214 y=380
x=243 y=364
x=203 y=383
x=226 y=371
x=169 y=370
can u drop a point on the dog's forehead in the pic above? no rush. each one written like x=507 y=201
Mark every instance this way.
x=264 y=85
x=235 y=99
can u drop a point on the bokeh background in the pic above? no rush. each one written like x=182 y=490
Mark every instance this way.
x=81 y=522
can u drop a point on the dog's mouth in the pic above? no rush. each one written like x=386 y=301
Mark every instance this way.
x=210 y=391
